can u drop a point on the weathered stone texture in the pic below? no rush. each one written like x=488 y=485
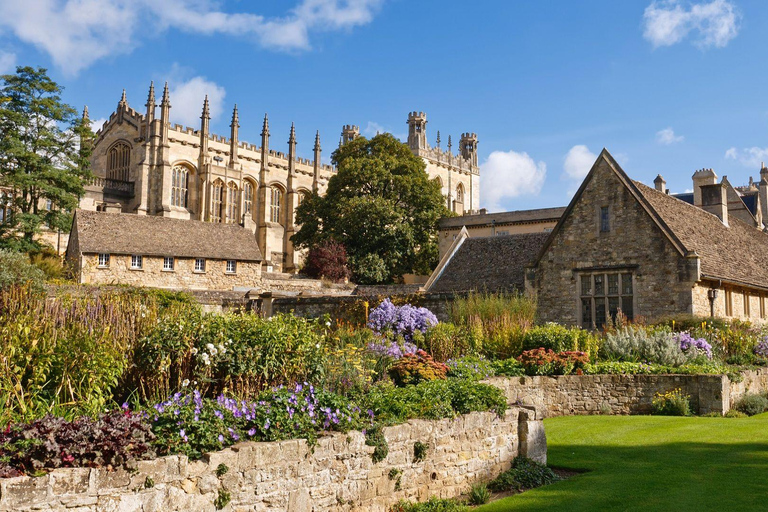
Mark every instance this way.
x=336 y=474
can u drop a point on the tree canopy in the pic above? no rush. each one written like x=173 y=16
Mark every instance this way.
x=42 y=160
x=381 y=205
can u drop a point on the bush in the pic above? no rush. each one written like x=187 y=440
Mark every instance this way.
x=114 y=439
x=403 y=321
x=16 y=270
x=634 y=343
x=435 y=399
x=49 y=261
x=327 y=260
x=433 y=504
x=508 y=367
x=524 y=474
x=733 y=413
x=415 y=368
x=559 y=338
x=671 y=403
x=543 y=361
x=751 y=404
x=470 y=367
x=446 y=341
x=479 y=494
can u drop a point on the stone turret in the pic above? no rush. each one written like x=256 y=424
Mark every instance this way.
x=701 y=178
x=468 y=146
x=417 y=130
x=349 y=133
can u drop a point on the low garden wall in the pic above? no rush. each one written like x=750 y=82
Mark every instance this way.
x=563 y=395
x=338 y=473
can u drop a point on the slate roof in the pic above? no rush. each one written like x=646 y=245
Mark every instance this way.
x=122 y=233
x=481 y=219
x=737 y=253
x=493 y=264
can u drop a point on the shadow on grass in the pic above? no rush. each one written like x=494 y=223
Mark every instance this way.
x=671 y=476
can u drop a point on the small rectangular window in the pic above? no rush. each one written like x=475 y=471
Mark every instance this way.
x=605 y=221
x=231 y=266
x=103 y=260
x=199 y=264
x=137 y=261
x=168 y=263
x=746 y=304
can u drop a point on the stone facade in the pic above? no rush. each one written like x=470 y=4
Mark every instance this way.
x=145 y=165
x=336 y=474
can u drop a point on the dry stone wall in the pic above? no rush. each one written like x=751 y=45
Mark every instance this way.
x=336 y=474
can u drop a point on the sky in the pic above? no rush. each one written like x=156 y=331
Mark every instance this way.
x=668 y=87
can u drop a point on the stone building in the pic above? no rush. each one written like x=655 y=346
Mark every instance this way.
x=621 y=245
x=162 y=252
x=145 y=165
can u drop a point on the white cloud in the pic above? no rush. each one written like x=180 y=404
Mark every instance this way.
x=507 y=174
x=187 y=100
x=748 y=157
x=578 y=161
x=96 y=124
x=7 y=62
x=668 y=22
x=667 y=136
x=77 y=33
x=373 y=128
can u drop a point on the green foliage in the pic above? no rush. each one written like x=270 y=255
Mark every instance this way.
x=420 y=451
x=381 y=206
x=479 y=494
x=495 y=322
x=149 y=482
x=415 y=368
x=559 y=338
x=49 y=262
x=524 y=474
x=543 y=361
x=374 y=436
x=671 y=403
x=636 y=343
x=471 y=368
x=222 y=499
x=751 y=404
x=629 y=368
x=446 y=341
x=508 y=367
x=221 y=470
x=44 y=150
x=433 y=400
x=433 y=504
x=348 y=366
x=16 y=270
x=733 y=413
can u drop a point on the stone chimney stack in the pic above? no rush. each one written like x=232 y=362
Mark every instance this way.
x=660 y=184
x=702 y=178
x=714 y=199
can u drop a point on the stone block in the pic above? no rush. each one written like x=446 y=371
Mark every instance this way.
x=70 y=481
x=103 y=481
x=24 y=491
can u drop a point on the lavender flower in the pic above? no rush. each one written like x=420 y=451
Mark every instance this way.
x=403 y=321
x=761 y=349
x=688 y=343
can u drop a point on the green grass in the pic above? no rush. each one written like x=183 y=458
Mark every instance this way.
x=652 y=463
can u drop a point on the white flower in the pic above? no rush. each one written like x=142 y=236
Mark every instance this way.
x=185 y=383
x=207 y=361
x=229 y=341
x=317 y=346
x=209 y=346
x=328 y=323
x=194 y=351
x=213 y=351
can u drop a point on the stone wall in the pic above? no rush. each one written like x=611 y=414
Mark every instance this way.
x=336 y=474
x=754 y=381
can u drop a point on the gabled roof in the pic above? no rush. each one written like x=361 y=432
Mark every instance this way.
x=500 y=218
x=493 y=264
x=124 y=233
x=736 y=253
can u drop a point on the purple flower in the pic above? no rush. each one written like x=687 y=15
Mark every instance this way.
x=689 y=344
x=403 y=321
x=761 y=349
x=221 y=439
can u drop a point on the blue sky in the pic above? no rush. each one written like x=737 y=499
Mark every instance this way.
x=667 y=86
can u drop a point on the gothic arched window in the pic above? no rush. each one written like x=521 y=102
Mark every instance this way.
x=276 y=205
x=460 y=193
x=179 y=186
x=119 y=162
x=248 y=189
x=217 y=193
x=232 y=204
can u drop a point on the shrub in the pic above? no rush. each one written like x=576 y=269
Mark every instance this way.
x=559 y=338
x=524 y=474
x=470 y=367
x=327 y=260
x=543 y=361
x=49 y=261
x=16 y=270
x=114 y=439
x=433 y=504
x=479 y=494
x=733 y=413
x=446 y=341
x=400 y=321
x=508 y=367
x=415 y=368
x=751 y=404
x=671 y=403
x=634 y=343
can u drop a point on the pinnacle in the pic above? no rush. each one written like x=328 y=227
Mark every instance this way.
x=85 y=112
x=151 y=96
x=206 y=109
x=166 y=96
x=123 y=100
x=265 y=127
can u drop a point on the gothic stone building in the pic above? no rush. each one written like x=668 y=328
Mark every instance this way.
x=621 y=245
x=144 y=165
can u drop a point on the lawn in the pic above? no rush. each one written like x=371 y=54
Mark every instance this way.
x=653 y=463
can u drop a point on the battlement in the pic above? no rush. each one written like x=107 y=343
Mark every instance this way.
x=351 y=128
x=412 y=116
x=701 y=173
x=469 y=135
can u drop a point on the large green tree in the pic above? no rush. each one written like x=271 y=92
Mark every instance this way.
x=44 y=156
x=382 y=206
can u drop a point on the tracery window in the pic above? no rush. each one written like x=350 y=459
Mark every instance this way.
x=248 y=198
x=276 y=205
x=217 y=193
x=179 y=186
x=119 y=162
x=460 y=193
x=232 y=204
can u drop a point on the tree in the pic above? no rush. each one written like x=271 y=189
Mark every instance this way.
x=44 y=156
x=381 y=205
x=328 y=260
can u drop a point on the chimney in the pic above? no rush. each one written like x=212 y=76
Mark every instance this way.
x=660 y=184
x=700 y=179
x=715 y=201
